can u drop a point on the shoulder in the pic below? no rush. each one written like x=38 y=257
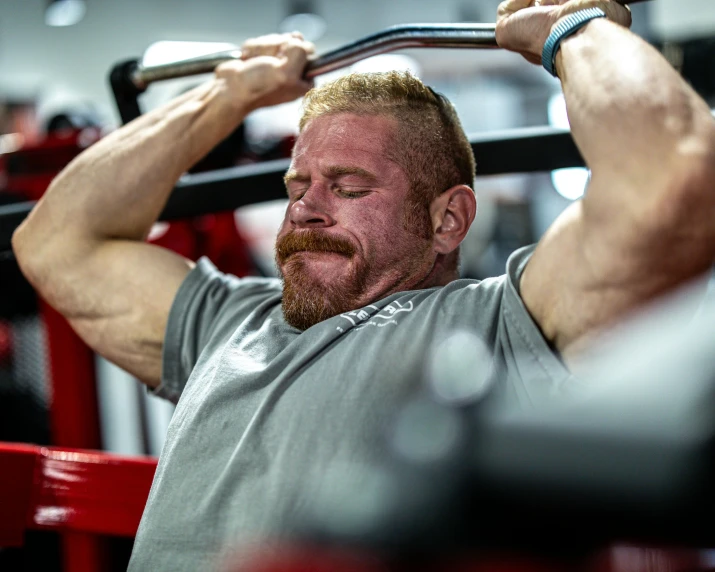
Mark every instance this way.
x=489 y=289
x=206 y=278
x=209 y=299
x=470 y=304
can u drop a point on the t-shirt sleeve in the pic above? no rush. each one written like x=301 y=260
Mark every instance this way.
x=205 y=298
x=541 y=372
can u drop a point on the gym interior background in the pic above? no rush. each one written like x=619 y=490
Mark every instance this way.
x=55 y=100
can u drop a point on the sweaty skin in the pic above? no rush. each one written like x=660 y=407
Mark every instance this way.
x=363 y=207
x=342 y=187
x=645 y=226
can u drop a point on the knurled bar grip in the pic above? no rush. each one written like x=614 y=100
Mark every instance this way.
x=473 y=36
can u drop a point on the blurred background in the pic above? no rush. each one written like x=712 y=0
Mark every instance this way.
x=55 y=101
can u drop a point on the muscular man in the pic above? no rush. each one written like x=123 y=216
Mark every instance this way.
x=276 y=381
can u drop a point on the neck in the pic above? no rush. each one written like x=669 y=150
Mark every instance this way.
x=443 y=271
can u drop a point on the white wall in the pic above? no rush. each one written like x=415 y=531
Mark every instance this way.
x=677 y=19
x=74 y=62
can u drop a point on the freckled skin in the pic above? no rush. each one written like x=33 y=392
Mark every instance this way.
x=396 y=260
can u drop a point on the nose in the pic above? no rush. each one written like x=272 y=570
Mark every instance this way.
x=310 y=211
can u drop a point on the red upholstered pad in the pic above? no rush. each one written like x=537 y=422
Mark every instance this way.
x=17 y=469
x=91 y=492
x=70 y=490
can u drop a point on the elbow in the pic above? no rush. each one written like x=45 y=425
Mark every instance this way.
x=27 y=256
x=19 y=244
x=37 y=250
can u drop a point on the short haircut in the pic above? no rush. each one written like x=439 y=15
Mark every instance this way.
x=431 y=145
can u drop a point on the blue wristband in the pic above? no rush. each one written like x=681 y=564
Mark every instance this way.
x=566 y=27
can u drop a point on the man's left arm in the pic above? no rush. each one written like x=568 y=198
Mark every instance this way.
x=647 y=222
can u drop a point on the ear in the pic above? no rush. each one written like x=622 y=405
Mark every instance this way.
x=452 y=214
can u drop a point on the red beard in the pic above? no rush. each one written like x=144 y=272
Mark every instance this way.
x=306 y=300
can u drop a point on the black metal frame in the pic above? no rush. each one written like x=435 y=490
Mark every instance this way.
x=126 y=93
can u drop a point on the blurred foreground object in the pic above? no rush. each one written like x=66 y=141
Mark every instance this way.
x=625 y=456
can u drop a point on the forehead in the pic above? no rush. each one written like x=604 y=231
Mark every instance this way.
x=360 y=139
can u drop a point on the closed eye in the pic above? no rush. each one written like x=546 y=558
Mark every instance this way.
x=352 y=194
x=296 y=194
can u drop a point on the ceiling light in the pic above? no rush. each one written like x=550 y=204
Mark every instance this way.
x=302 y=17
x=65 y=12
x=311 y=26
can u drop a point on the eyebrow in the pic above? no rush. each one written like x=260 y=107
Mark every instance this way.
x=332 y=172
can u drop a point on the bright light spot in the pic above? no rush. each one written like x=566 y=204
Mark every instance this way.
x=158 y=230
x=11 y=142
x=570 y=183
x=426 y=432
x=350 y=499
x=387 y=62
x=65 y=12
x=88 y=136
x=460 y=368
x=311 y=26
x=558 y=116
x=165 y=52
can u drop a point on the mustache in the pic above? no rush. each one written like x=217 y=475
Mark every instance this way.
x=312 y=241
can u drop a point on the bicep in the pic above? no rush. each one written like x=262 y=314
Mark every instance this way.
x=601 y=260
x=120 y=303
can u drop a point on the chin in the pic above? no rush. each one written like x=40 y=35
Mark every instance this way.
x=309 y=299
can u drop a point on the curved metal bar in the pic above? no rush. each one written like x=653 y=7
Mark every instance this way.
x=142 y=76
x=475 y=36
x=394 y=38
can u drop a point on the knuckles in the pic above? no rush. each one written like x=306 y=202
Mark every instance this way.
x=526 y=32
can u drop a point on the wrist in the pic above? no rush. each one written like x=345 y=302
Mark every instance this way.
x=559 y=57
x=564 y=29
x=233 y=97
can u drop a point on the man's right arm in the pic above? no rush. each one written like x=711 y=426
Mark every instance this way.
x=83 y=248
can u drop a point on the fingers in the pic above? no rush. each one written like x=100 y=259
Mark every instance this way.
x=270 y=70
x=275 y=45
x=296 y=53
x=511 y=6
x=288 y=54
x=524 y=25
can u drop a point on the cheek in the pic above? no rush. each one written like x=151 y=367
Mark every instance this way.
x=380 y=231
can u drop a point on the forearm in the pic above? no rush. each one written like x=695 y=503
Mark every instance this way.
x=632 y=116
x=117 y=188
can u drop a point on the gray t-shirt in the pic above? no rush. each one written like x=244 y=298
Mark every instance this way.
x=264 y=409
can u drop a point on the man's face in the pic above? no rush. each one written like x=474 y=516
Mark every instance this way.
x=343 y=243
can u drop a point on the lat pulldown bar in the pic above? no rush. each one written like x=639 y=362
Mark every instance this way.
x=129 y=78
